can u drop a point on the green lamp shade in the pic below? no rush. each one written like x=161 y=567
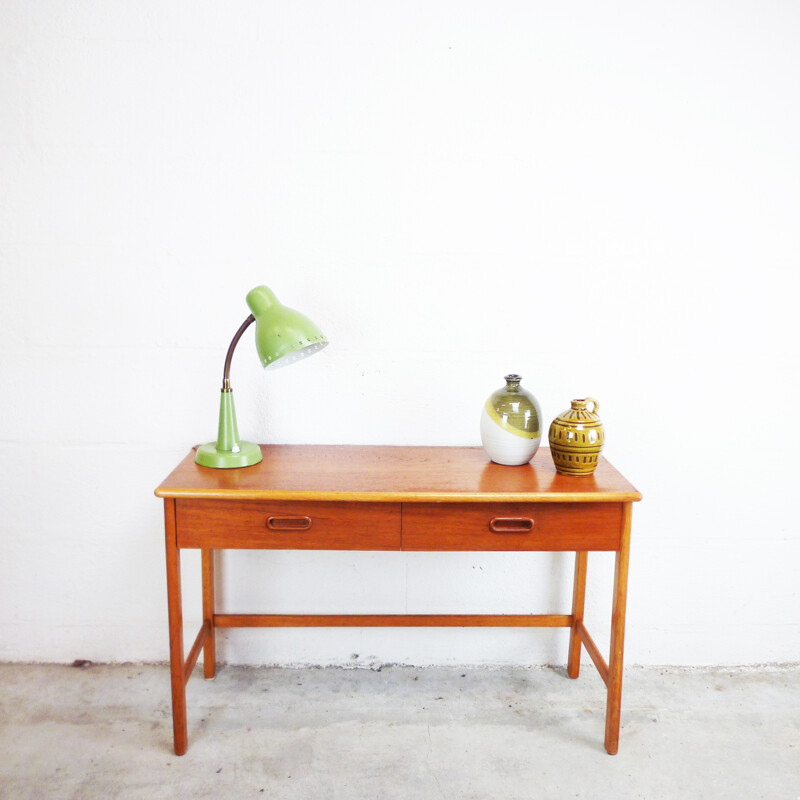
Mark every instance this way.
x=283 y=336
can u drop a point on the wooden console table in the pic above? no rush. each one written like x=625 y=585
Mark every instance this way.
x=394 y=498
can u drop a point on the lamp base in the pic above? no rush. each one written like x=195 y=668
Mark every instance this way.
x=209 y=455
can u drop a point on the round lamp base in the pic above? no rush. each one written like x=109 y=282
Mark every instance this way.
x=209 y=456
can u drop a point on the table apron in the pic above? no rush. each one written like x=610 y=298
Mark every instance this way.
x=432 y=527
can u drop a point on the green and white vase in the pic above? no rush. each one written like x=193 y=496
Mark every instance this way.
x=511 y=426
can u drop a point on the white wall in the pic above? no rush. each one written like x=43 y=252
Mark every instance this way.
x=602 y=197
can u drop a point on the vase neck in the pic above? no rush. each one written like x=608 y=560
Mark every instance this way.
x=584 y=403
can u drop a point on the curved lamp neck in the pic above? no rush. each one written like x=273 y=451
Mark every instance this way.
x=226 y=375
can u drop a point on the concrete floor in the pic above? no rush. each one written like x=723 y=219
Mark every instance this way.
x=104 y=731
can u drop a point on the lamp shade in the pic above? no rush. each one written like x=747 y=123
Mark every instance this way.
x=283 y=335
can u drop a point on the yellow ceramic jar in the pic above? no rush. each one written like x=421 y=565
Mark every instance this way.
x=576 y=438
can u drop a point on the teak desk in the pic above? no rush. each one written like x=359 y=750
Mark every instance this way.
x=394 y=498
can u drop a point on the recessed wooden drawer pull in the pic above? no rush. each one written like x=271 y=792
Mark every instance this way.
x=511 y=525
x=289 y=523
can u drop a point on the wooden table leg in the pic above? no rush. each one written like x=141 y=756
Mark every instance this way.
x=578 y=600
x=210 y=646
x=618 y=634
x=175 y=629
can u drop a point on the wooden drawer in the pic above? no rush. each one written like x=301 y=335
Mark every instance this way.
x=512 y=526
x=287 y=525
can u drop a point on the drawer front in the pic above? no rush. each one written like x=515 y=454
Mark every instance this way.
x=512 y=526
x=287 y=525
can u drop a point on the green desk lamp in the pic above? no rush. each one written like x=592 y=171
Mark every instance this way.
x=283 y=336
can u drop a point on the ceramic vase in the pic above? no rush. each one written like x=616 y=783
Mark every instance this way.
x=576 y=438
x=511 y=426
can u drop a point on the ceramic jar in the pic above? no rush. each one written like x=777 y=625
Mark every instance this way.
x=511 y=426
x=576 y=438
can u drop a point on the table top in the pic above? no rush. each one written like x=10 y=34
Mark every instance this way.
x=376 y=473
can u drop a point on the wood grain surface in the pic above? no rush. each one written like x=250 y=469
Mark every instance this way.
x=394 y=474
